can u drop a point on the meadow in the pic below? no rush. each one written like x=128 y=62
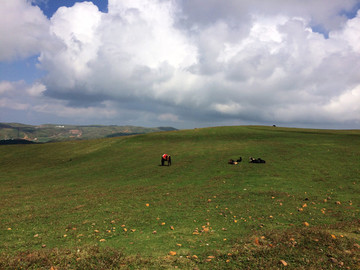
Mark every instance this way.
x=108 y=204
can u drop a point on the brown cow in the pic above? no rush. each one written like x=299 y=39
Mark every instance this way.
x=165 y=157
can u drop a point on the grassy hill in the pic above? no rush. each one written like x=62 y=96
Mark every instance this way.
x=53 y=133
x=107 y=204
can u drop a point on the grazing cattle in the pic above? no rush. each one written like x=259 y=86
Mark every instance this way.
x=233 y=162
x=258 y=160
x=165 y=157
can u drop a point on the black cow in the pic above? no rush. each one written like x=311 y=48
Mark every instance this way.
x=233 y=162
x=258 y=160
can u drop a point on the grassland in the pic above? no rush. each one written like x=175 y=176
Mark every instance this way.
x=107 y=204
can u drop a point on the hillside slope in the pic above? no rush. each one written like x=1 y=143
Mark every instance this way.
x=53 y=133
x=106 y=203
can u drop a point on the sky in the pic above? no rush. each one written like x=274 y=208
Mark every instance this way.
x=181 y=63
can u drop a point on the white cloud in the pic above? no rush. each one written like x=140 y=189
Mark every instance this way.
x=345 y=107
x=36 y=90
x=11 y=104
x=61 y=109
x=328 y=16
x=270 y=72
x=23 y=99
x=121 y=54
x=23 y=30
x=172 y=62
x=230 y=108
x=168 y=117
x=5 y=86
x=350 y=34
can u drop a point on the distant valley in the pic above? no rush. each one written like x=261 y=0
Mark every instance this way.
x=22 y=133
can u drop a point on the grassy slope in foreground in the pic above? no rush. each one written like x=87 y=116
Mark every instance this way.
x=99 y=203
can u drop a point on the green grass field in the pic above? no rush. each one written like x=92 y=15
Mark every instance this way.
x=107 y=204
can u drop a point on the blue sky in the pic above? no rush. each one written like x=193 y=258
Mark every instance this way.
x=25 y=69
x=49 y=7
x=181 y=63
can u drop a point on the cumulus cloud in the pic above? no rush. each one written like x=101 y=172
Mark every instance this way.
x=11 y=95
x=327 y=16
x=121 y=54
x=17 y=97
x=5 y=87
x=345 y=106
x=23 y=30
x=187 y=63
x=36 y=90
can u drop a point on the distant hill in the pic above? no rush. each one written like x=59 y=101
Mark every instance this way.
x=11 y=133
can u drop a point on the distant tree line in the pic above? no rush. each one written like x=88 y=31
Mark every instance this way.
x=15 y=141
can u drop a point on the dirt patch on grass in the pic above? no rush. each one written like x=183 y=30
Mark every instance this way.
x=331 y=247
x=84 y=258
